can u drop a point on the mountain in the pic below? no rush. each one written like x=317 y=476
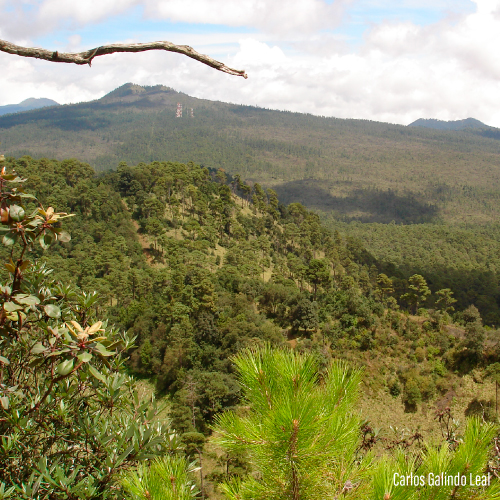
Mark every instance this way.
x=468 y=123
x=357 y=169
x=27 y=105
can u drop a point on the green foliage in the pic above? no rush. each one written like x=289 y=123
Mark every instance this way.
x=318 y=273
x=463 y=258
x=474 y=339
x=412 y=394
x=301 y=441
x=372 y=179
x=363 y=170
x=445 y=301
x=166 y=478
x=300 y=434
x=212 y=279
x=394 y=387
x=467 y=460
x=198 y=265
x=417 y=293
x=70 y=419
x=304 y=316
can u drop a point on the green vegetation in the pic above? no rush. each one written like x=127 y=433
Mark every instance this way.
x=427 y=199
x=369 y=171
x=167 y=478
x=396 y=477
x=70 y=419
x=464 y=259
x=300 y=437
x=195 y=266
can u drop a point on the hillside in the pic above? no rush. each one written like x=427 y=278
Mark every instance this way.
x=360 y=170
x=396 y=271
x=27 y=105
x=198 y=268
x=428 y=200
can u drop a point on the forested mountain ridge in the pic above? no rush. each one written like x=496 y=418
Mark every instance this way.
x=354 y=170
x=361 y=170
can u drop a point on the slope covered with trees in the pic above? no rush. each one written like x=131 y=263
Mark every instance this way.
x=198 y=265
x=366 y=170
x=428 y=199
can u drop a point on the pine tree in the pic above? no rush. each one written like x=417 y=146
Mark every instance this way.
x=418 y=291
x=167 y=478
x=300 y=432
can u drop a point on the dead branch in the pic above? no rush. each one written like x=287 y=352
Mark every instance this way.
x=88 y=56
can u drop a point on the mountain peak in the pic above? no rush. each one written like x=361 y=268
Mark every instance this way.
x=468 y=123
x=27 y=104
x=132 y=91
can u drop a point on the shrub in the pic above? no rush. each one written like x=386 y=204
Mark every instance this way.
x=412 y=395
x=70 y=418
x=394 y=387
x=420 y=354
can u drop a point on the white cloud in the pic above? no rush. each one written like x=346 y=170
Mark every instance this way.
x=80 y=12
x=403 y=72
x=44 y=16
x=486 y=6
x=272 y=16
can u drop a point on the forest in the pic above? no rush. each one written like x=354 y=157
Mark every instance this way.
x=361 y=170
x=422 y=201
x=265 y=336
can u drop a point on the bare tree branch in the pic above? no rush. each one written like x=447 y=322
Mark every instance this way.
x=88 y=56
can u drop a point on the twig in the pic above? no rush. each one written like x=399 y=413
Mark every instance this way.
x=49 y=390
x=87 y=56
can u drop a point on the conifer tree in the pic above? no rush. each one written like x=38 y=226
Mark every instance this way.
x=300 y=432
x=418 y=291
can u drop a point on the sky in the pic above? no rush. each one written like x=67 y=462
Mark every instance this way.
x=384 y=60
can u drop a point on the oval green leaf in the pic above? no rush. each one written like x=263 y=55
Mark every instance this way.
x=11 y=307
x=52 y=311
x=65 y=367
x=85 y=357
x=9 y=239
x=29 y=300
x=38 y=348
x=16 y=213
x=98 y=375
x=46 y=240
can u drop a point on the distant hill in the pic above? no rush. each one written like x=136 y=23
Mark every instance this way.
x=27 y=105
x=468 y=123
x=357 y=169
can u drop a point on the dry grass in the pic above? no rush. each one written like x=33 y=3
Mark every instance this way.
x=384 y=411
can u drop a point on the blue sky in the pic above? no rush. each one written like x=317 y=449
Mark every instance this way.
x=382 y=60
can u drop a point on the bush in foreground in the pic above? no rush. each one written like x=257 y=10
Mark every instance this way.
x=70 y=419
